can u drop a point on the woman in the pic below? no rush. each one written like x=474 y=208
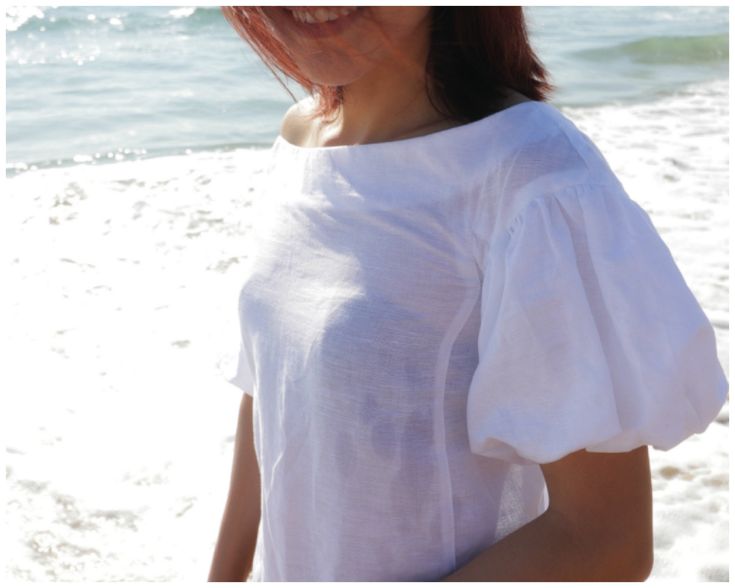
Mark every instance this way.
x=459 y=334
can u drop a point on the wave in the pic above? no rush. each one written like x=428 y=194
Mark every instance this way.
x=665 y=50
x=13 y=169
x=140 y=18
x=17 y=16
x=202 y=14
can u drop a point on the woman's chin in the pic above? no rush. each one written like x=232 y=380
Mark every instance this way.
x=329 y=78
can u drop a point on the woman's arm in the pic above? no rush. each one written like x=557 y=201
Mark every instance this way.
x=598 y=527
x=233 y=554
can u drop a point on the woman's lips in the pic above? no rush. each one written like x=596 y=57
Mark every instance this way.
x=320 y=29
x=312 y=14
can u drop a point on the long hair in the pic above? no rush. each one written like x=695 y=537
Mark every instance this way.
x=474 y=52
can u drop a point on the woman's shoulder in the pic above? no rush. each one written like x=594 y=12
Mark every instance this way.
x=551 y=152
x=296 y=121
x=543 y=156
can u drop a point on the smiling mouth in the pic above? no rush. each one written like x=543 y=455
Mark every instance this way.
x=319 y=14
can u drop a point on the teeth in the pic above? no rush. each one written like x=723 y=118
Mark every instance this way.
x=321 y=15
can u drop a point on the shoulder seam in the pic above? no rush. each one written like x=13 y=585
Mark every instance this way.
x=572 y=188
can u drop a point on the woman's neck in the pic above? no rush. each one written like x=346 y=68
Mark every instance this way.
x=387 y=104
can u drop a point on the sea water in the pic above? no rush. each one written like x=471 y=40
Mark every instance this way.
x=106 y=84
x=135 y=137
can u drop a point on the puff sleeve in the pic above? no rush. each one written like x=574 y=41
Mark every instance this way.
x=589 y=336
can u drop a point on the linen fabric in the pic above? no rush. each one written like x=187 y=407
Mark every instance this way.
x=425 y=321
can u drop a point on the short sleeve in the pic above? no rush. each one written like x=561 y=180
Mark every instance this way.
x=242 y=378
x=589 y=337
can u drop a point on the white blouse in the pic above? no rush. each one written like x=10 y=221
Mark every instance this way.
x=424 y=321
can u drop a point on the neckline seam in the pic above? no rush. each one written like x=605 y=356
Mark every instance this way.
x=410 y=140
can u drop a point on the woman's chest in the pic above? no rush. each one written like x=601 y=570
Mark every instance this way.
x=341 y=290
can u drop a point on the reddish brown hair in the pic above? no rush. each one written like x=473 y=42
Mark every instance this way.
x=474 y=52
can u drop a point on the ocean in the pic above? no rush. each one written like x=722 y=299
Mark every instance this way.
x=135 y=136
x=107 y=84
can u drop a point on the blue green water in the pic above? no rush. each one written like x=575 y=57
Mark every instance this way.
x=103 y=84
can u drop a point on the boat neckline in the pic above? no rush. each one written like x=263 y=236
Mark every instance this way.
x=436 y=135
